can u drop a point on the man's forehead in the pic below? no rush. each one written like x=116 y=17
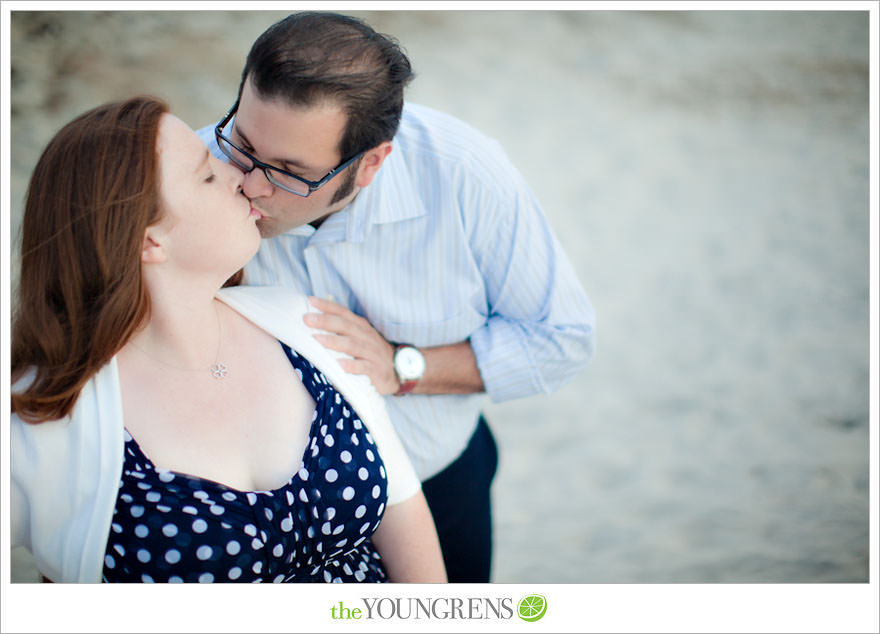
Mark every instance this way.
x=250 y=97
x=279 y=125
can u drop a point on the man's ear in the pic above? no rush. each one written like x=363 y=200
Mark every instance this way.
x=153 y=250
x=371 y=162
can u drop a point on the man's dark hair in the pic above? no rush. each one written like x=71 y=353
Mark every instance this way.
x=311 y=57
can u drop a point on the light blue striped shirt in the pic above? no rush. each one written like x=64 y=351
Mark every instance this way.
x=446 y=244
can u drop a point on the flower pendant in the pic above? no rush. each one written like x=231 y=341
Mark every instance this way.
x=218 y=371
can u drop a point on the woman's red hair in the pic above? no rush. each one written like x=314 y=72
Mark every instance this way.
x=91 y=197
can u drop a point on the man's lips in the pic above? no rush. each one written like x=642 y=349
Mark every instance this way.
x=256 y=212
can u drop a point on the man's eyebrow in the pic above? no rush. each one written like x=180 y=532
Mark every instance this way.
x=288 y=163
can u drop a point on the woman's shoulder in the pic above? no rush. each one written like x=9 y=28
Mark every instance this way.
x=248 y=299
x=279 y=311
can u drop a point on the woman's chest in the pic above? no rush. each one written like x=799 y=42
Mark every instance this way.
x=247 y=430
x=319 y=521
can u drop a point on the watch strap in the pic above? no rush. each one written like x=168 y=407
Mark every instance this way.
x=405 y=386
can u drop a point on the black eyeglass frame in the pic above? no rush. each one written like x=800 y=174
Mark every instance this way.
x=268 y=169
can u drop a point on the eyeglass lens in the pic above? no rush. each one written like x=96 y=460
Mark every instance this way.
x=275 y=177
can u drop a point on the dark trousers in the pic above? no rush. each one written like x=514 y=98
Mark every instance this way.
x=459 y=500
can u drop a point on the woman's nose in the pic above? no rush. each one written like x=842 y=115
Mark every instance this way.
x=237 y=178
x=234 y=174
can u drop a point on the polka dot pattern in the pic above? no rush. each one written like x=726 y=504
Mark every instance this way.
x=174 y=527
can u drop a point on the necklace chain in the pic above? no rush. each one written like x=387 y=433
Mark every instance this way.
x=218 y=370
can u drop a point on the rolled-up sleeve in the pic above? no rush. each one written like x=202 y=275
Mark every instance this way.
x=540 y=327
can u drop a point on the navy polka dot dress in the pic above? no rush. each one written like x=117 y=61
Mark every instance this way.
x=173 y=527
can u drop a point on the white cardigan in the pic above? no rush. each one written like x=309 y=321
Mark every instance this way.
x=66 y=473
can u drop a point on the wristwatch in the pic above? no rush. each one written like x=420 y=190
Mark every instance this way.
x=409 y=366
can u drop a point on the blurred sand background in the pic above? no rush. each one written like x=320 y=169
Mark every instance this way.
x=707 y=173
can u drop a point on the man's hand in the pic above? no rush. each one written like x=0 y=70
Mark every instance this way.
x=355 y=336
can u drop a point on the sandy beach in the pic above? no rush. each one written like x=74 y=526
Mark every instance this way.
x=707 y=173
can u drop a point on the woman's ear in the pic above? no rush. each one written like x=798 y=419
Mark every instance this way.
x=371 y=162
x=153 y=251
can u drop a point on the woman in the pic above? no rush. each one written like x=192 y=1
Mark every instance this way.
x=163 y=428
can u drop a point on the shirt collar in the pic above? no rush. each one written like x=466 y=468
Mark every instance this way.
x=392 y=196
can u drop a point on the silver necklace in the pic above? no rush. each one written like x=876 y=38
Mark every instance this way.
x=218 y=370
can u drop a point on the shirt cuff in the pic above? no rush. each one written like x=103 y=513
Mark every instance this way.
x=504 y=361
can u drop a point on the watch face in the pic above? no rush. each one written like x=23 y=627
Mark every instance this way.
x=409 y=363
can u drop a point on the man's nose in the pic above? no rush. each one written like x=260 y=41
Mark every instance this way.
x=256 y=185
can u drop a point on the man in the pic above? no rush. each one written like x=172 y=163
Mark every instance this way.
x=429 y=261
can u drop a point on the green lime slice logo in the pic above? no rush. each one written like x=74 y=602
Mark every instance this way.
x=532 y=607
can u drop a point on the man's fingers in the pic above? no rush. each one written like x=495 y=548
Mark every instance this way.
x=349 y=345
x=355 y=337
x=338 y=343
x=355 y=366
x=330 y=323
x=328 y=306
x=336 y=319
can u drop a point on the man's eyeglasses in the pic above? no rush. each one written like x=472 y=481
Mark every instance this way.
x=277 y=176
